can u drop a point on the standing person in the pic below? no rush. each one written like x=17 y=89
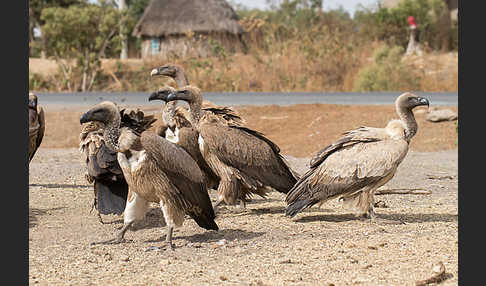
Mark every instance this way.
x=413 y=43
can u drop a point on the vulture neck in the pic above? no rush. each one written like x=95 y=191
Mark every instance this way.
x=195 y=108
x=112 y=135
x=168 y=112
x=407 y=117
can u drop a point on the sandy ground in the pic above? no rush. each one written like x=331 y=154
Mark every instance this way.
x=259 y=245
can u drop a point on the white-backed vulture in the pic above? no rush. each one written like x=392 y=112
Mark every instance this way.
x=176 y=72
x=245 y=160
x=156 y=170
x=354 y=166
x=110 y=187
x=186 y=136
x=37 y=125
x=176 y=119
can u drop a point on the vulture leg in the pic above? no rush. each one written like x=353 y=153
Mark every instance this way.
x=217 y=203
x=119 y=237
x=168 y=238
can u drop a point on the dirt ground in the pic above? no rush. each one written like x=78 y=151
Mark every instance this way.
x=259 y=245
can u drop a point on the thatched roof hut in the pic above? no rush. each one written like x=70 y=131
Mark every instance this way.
x=181 y=26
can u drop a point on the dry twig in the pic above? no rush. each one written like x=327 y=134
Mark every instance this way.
x=439 y=276
x=403 y=192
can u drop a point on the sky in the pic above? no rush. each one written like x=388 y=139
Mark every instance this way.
x=348 y=5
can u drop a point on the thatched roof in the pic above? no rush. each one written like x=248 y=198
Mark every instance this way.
x=169 y=17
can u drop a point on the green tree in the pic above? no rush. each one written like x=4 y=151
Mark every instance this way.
x=77 y=37
x=35 y=11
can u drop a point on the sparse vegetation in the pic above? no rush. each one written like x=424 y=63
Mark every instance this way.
x=297 y=47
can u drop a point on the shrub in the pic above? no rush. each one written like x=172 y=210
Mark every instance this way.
x=387 y=73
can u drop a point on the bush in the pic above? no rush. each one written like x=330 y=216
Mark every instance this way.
x=387 y=73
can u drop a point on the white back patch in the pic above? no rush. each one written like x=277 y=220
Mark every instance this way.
x=136 y=160
x=173 y=136
x=200 y=140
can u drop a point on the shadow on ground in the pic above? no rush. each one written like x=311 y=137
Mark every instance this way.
x=34 y=213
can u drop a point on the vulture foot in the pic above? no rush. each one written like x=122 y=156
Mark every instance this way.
x=119 y=237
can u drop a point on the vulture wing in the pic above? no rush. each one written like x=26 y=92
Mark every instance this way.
x=110 y=187
x=190 y=192
x=36 y=130
x=250 y=152
x=346 y=167
x=227 y=113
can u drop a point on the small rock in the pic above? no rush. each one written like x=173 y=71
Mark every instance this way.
x=441 y=115
x=164 y=262
x=124 y=258
x=222 y=278
x=372 y=247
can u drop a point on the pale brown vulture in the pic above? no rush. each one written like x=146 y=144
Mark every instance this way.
x=110 y=187
x=156 y=171
x=176 y=72
x=186 y=136
x=354 y=166
x=245 y=160
x=37 y=125
x=177 y=127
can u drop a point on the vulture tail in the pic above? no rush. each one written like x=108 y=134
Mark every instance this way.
x=202 y=212
x=111 y=196
x=205 y=221
x=297 y=206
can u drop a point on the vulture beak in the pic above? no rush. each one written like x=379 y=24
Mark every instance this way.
x=85 y=118
x=155 y=72
x=159 y=95
x=173 y=96
x=423 y=101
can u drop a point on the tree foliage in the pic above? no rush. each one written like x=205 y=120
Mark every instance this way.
x=77 y=37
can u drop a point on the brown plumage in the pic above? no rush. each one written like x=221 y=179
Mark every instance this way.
x=357 y=164
x=37 y=125
x=245 y=160
x=156 y=170
x=177 y=119
x=110 y=187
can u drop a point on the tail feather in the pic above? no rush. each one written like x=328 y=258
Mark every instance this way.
x=297 y=206
x=204 y=221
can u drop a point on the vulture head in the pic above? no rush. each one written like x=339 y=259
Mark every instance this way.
x=409 y=101
x=105 y=112
x=162 y=94
x=32 y=101
x=170 y=70
x=189 y=93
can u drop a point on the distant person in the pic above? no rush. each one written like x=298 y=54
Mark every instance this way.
x=413 y=43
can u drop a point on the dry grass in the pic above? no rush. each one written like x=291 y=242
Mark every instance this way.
x=288 y=69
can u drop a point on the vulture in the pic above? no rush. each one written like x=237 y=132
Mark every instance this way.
x=358 y=163
x=110 y=187
x=37 y=125
x=169 y=112
x=245 y=160
x=156 y=170
x=176 y=125
x=186 y=136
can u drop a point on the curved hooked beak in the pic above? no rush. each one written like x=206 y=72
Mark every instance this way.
x=423 y=101
x=159 y=95
x=154 y=72
x=86 y=117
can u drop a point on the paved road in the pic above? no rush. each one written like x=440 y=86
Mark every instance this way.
x=245 y=98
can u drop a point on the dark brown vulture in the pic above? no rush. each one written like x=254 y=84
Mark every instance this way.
x=245 y=160
x=156 y=170
x=110 y=187
x=354 y=166
x=37 y=125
